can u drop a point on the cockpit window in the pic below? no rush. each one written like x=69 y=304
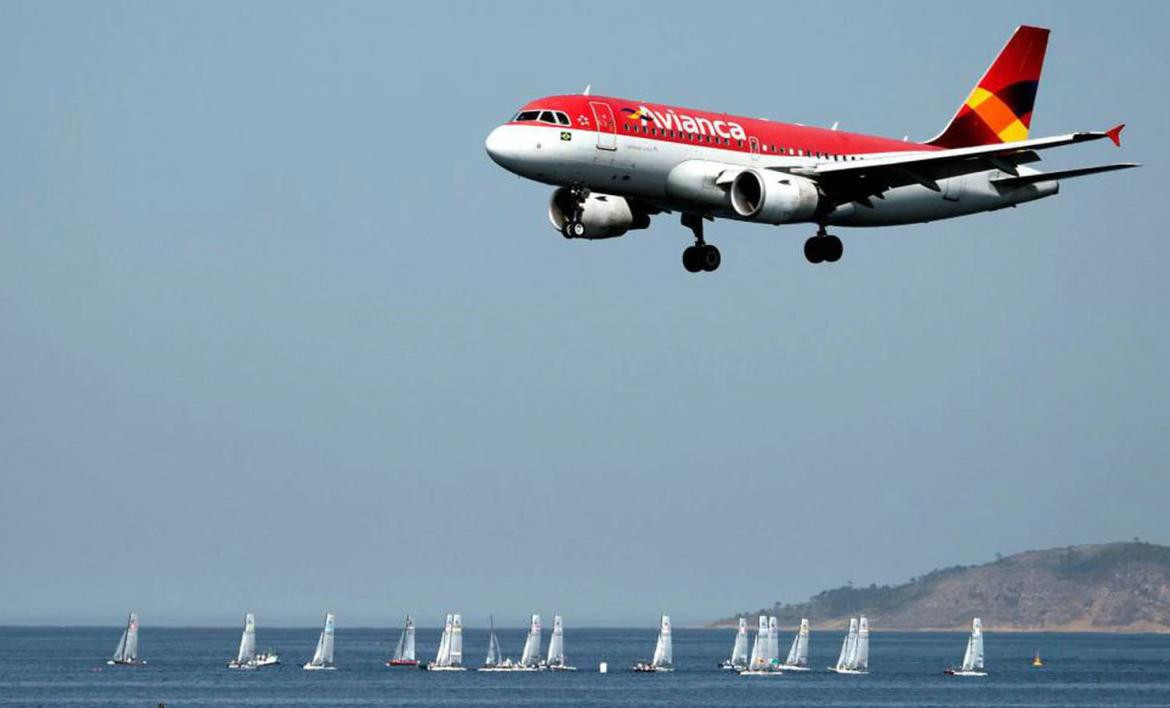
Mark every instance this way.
x=544 y=116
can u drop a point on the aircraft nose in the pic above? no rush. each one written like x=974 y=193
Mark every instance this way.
x=502 y=147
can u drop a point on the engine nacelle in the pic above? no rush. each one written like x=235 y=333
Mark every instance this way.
x=603 y=215
x=773 y=197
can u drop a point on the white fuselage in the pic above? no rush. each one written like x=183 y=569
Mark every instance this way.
x=637 y=167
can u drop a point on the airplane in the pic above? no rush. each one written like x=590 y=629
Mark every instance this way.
x=616 y=163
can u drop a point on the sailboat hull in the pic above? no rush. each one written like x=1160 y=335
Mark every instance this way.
x=760 y=672
x=402 y=662
x=954 y=672
x=786 y=667
x=259 y=662
x=858 y=672
x=314 y=667
x=132 y=662
x=642 y=668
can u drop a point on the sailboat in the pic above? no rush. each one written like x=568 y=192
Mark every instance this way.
x=798 y=653
x=450 y=655
x=854 y=657
x=739 y=650
x=323 y=656
x=404 y=652
x=973 y=657
x=530 y=657
x=764 y=660
x=126 y=654
x=663 y=659
x=247 y=657
x=556 y=648
x=1037 y=661
x=495 y=660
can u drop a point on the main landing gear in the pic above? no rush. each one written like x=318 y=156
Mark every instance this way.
x=701 y=256
x=573 y=228
x=823 y=247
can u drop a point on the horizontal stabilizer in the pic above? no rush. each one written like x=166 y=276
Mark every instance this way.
x=1061 y=174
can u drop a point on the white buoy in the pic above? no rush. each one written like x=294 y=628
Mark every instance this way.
x=603 y=667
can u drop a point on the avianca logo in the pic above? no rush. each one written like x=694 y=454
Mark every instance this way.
x=681 y=121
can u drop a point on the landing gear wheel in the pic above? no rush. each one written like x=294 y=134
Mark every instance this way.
x=709 y=257
x=833 y=249
x=813 y=251
x=701 y=256
x=573 y=229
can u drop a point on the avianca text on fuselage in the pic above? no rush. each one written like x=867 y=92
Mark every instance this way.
x=617 y=163
x=681 y=122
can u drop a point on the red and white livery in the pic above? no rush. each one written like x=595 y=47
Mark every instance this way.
x=616 y=163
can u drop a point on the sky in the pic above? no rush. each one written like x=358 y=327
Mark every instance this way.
x=276 y=335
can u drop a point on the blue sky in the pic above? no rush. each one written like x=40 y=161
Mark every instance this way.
x=276 y=335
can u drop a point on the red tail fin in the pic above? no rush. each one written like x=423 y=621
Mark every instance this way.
x=999 y=110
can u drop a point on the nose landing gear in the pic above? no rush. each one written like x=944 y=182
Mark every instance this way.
x=823 y=248
x=702 y=256
x=573 y=227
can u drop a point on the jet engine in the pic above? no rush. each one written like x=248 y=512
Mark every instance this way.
x=773 y=197
x=602 y=215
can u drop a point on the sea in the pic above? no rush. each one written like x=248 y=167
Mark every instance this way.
x=64 y=666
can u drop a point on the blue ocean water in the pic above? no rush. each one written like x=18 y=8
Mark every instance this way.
x=63 y=667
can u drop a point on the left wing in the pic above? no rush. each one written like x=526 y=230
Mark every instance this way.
x=858 y=180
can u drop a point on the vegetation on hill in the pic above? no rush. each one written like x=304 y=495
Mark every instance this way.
x=1104 y=587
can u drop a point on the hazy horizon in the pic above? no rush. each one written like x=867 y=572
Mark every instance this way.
x=275 y=333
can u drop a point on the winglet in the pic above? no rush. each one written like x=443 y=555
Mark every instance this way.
x=1114 y=134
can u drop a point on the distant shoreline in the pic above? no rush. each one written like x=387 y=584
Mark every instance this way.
x=1108 y=588
x=720 y=627
x=1160 y=630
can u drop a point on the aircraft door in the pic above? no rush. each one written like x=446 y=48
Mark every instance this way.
x=606 y=125
x=754 y=144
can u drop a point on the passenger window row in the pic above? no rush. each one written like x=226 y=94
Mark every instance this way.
x=774 y=149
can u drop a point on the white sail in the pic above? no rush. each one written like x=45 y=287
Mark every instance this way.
x=531 y=655
x=801 y=645
x=405 y=649
x=443 y=657
x=663 y=650
x=739 y=651
x=848 y=646
x=973 y=659
x=860 y=660
x=131 y=650
x=455 y=649
x=408 y=644
x=556 y=644
x=773 y=642
x=247 y=640
x=323 y=656
x=120 y=650
x=493 y=652
x=760 y=645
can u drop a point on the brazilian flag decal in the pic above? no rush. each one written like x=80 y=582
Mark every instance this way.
x=566 y=135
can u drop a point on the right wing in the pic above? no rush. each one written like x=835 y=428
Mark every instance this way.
x=859 y=180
